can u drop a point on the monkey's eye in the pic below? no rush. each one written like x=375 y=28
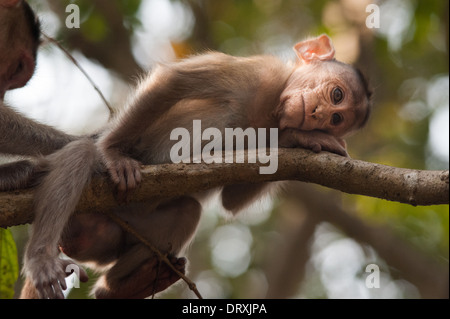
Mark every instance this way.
x=337 y=95
x=336 y=118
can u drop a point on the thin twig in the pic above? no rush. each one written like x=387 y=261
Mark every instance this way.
x=125 y=226
x=71 y=58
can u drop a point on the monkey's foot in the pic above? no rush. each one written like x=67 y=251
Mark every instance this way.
x=48 y=275
x=150 y=278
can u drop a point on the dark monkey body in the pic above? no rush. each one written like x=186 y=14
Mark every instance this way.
x=312 y=103
x=19 y=40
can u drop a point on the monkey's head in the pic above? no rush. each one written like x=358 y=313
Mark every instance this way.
x=322 y=93
x=19 y=40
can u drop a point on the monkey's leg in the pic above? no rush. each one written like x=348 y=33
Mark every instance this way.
x=138 y=273
x=238 y=196
x=92 y=237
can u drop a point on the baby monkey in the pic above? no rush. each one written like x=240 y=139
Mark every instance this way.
x=313 y=103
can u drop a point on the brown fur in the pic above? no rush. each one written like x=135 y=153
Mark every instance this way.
x=19 y=40
x=222 y=91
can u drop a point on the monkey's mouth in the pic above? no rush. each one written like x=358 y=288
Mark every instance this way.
x=303 y=111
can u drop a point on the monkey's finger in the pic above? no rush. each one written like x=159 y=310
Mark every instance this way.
x=121 y=180
x=346 y=154
x=50 y=291
x=179 y=263
x=316 y=147
x=130 y=178
x=133 y=180
x=114 y=174
x=137 y=175
x=341 y=151
x=58 y=292
x=334 y=147
x=42 y=292
x=58 y=286
x=182 y=261
x=62 y=284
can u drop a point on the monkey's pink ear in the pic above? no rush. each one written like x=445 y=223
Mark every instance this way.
x=317 y=49
x=9 y=3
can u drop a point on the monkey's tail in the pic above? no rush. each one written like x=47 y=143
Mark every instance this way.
x=69 y=171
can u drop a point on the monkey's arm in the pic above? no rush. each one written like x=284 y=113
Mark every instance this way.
x=22 y=136
x=21 y=174
x=155 y=96
x=164 y=88
x=314 y=140
x=236 y=197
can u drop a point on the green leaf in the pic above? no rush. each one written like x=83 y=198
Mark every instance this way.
x=9 y=265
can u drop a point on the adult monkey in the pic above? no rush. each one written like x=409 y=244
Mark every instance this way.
x=19 y=41
x=313 y=103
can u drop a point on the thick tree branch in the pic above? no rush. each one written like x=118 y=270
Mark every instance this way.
x=415 y=187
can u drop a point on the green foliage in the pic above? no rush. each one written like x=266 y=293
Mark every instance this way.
x=9 y=266
x=95 y=27
x=426 y=227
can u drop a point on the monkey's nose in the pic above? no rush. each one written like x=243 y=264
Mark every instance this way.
x=314 y=115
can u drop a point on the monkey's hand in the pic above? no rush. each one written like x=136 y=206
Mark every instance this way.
x=124 y=171
x=316 y=141
x=48 y=275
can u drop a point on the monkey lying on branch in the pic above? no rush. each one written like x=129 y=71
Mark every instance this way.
x=312 y=104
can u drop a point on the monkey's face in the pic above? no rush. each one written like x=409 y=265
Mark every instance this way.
x=19 y=38
x=326 y=96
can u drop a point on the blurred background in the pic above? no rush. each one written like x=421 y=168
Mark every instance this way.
x=311 y=242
